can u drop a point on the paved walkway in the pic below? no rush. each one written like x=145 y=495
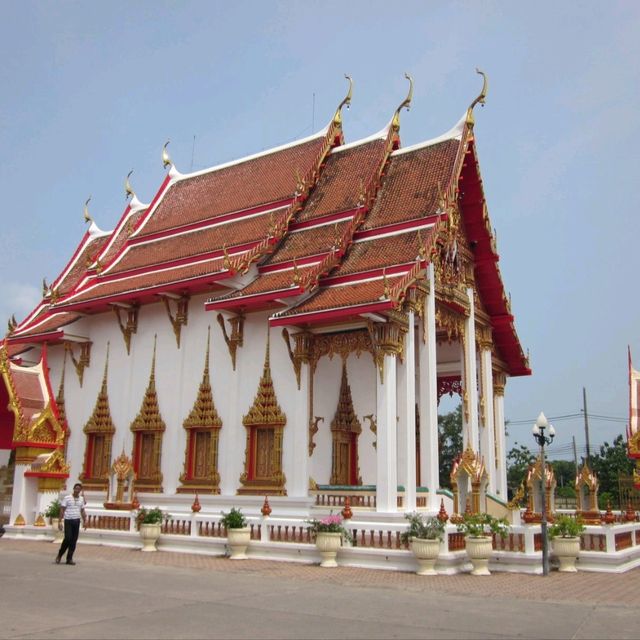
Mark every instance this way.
x=122 y=593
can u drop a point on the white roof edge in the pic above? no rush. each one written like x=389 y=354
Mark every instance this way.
x=455 y=133
x=379 y=135
x=96 y=232
x=266 y=152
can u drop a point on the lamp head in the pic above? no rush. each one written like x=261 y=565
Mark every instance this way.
x=536 y=429
x=552 y=431
x=541 y=421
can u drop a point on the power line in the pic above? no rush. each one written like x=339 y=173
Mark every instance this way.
x=572 y=416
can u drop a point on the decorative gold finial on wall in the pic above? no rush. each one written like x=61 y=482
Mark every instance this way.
x=480 y=99
x=87 y=216
x=406 y=104
x=128 y=189
x=166 y=159
x=346 y=102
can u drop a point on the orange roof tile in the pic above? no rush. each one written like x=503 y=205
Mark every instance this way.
x=338 y=188
x=267 y=178
x=410 y=186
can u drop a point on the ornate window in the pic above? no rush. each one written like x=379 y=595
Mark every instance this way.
x=265 y=422
x=99 y=430
x=345 y=430
x=147 y=429
x=203 y=429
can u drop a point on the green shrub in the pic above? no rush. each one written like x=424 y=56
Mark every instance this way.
x=423 y=527
x=150 y=516
x=566 y=527
x=234 y=519
x=53 y=510
x=476 y=525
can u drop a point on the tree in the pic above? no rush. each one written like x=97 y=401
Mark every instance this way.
x=565 y=471
x=518 y=461
x=449 y=443
x=611 y=461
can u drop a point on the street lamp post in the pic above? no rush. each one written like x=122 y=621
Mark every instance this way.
x=539 y=428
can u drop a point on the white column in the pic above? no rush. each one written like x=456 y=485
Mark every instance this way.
x=407 y=424
x=428 y=398
x=487 y=434
x=501 y=470
x=299 y=484
x=232 y=437
x=470 y=384
x=387 y=470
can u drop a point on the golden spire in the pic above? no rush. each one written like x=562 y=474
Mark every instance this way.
x=203 y=413
x=87 y=216
x=149 y=418
x=62 y=414
x=297 y=278
x=100 y=420
x=479 y=100
x=45 y=287
x=346 y=102
x=128 y=189
x=345 y=418
x=265 y=409
x=166 y=159
x=406 y=103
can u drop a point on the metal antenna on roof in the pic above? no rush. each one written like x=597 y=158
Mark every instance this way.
x=313 y=113
x=193 y=151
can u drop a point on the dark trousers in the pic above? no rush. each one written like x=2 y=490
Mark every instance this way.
x=71 y=532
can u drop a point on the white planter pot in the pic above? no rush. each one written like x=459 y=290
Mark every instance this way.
x=426 y=552
x=328 y=545
x=567 y=551
x=479 y=551
x=58 y=534
x=238 y=541
x=149 y=534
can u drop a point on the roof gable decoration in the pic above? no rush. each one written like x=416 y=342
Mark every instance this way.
x=100 y=420
x=265 y=409
x=149 y=417
x=204 y=413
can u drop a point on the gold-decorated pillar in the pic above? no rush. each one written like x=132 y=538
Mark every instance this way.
x=487 y=431
x=299 y=452
x=499 y=382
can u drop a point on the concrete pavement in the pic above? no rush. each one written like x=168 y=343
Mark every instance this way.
x=122 y=593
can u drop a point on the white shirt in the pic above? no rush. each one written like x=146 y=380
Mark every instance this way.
x=72 y=507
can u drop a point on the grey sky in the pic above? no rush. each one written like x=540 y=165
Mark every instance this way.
x=91 y=90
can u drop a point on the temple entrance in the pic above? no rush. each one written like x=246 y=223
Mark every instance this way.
x=345 y=429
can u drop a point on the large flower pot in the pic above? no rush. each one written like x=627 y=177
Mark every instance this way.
x=479 y=551
x=328 y=544
x=149 y=534
x=567 y=551
x=238 y=541
x=426 y=552
x=58 y=533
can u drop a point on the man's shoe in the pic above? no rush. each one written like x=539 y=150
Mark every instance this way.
x=58 y=558
x=70 y=562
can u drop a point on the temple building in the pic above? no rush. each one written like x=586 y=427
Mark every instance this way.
x=282 y=325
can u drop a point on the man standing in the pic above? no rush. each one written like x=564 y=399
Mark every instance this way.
x=71 y=510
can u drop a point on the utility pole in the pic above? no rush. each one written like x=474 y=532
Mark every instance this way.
x=575 y=453
x=586 y=422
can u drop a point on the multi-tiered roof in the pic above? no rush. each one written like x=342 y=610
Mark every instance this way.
x=316 y=232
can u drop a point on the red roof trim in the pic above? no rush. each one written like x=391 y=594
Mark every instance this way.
x=409 y=225
x=210 y=222
x=288 y=264
x=322 y=220
x=314 y=317
x=37 y=337
x=372 y=274
x=252 y=299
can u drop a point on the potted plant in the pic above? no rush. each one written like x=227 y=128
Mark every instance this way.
x=478 y=529
x=53 y=513
x=565 y=539
x=424 y=534
x=149 y=523
x=238 y=533
x=329 y=533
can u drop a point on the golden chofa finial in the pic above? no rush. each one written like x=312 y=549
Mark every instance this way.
x=45 y=288
x=337 y=118
x=480 y=99
x=87 y=216
x=128 y=189
x=166 y=159
x=406 y=103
